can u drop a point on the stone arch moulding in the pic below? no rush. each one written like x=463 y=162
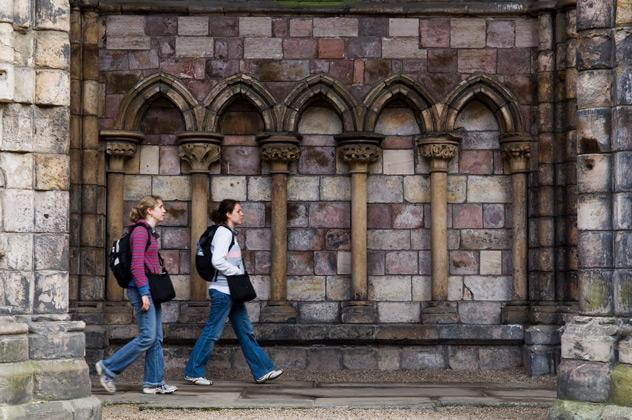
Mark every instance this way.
x=412 y=92
x=228 y=90
x=490 y=92
x=138 y=99
x=332 y=91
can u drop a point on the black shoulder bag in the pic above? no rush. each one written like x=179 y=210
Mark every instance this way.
x=160 y=285
x=240 y=286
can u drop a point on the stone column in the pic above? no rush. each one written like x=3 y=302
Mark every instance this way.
x=199 y=150
x=516 y=149
x=119 y=146
x=359 y=150
x=596 y=358
x=279 y=149
x=439 y=149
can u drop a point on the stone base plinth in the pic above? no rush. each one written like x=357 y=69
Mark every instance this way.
x=440 y=313
x=542 y=349
x=359 y=313
x=278 y=313
x=515 y=313
x=82 y=408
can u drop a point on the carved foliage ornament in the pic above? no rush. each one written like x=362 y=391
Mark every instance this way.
x=438 y=151
x=120 y=149
x=280 y=152
x=360 y=153
x=516 y=151
x=199 y=155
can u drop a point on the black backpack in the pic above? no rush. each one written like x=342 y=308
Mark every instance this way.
x=121 y=256
x=203 y=255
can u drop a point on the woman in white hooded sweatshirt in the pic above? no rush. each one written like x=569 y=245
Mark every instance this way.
x=228 y=261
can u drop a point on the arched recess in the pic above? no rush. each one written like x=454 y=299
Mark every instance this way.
x=226 y=92
x=158 y=85
x=324 y=88
x=489 y=92
x=406 y=89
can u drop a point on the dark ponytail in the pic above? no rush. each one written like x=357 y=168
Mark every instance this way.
x=226 y=206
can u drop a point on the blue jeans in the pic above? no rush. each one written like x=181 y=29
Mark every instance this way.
x=148 y=341
x=222 y=307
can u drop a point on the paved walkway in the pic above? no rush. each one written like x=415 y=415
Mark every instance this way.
x=289 y=394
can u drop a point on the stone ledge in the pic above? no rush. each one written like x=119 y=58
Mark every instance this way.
x=331 y=7
x=346 y=334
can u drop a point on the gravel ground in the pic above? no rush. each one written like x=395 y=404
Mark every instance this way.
x=128 y=412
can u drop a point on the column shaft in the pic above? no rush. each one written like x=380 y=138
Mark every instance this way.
x=115 y=219
x=439 y=235
x=278 y=272
x=520 y=244
x=358 y=231
x=199 y=222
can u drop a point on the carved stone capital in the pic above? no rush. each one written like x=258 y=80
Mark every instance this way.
x=120 y=149
x=359 y=148
x=516 y=148
x=361 y=153
x=439 y=149
x=280 y=152
x=120 y=145
x=279 y=149
x=199 y=150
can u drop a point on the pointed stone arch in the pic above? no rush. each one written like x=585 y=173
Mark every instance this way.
x=327 y=88
x=415 y=95
x=140 y=97
x=490 y=92
x=230 y=89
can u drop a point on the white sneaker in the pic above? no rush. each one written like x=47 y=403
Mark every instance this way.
x=162 y=389
x=198 y=381
x=106 y=382
x=273 y=374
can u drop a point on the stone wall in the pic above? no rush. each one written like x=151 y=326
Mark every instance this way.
x=42 y=366
x=321 y=74
x=437 y=53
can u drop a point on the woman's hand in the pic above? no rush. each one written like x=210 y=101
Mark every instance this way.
x=145 y=300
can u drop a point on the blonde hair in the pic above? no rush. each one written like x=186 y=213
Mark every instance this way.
x=140 y=211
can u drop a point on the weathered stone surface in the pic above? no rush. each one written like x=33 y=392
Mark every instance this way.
x=464 y=262
x=420 y=358
x=51 y=211
x=500 y=34
x=335 y=215
x=306 y=288
x=467 y=33
x=223 y=187
x=584 y=381
x=479 y=312
x=398 y=312
x=324 y=359
x=435 y=32
x=390 y=288
x=16 y=383
x=360 y=358
x=592 y=341
x=388 y=239
x=303 y=188
x=51 y=172
x=385 y=189
x=270 y=48
x=485 y=239
x=335 y=27
x=61 y=379
x=488 y=288
x=402 y=48
x=496 y=358
x=319 y=312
